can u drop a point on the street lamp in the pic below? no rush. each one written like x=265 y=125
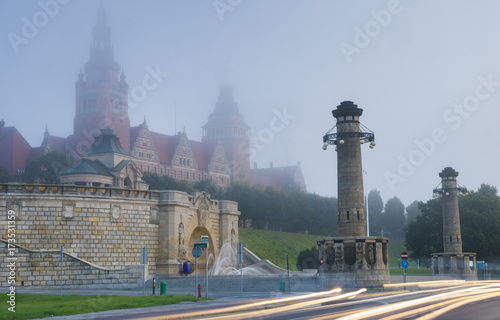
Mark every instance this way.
x=366 y=204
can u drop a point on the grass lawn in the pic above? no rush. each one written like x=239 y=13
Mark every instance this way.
x=265 y=244
x=29 y=306
x=412 y=271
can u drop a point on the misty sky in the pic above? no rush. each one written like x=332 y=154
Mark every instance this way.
x=422 y=71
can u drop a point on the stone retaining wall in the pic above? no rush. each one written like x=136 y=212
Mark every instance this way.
x=39 y=269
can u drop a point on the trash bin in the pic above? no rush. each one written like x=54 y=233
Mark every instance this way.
x=187 y=267
x=282 y=286
x=163 y=288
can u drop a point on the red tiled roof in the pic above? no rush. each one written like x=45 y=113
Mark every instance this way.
x=36 y=152
x=14 y=150
x=162 y=146
x=277 y=176
x=200 y=154
x=58 y=143
x=165 y=146
x=266 y=181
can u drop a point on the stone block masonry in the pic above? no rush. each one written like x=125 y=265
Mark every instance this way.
x=40 y=268
x=103 y=230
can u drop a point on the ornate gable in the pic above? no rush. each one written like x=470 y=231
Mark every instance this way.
x=183 y=155
x=218 y=162
x=143 y=148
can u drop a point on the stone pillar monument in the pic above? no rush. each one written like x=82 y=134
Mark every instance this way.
x=452 y=261
x=351 y=259
x=351 y=203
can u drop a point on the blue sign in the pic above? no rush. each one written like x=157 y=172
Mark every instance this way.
x=404 y=264
x=197 y=252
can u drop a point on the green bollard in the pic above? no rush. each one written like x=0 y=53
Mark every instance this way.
x=163 y=288
x=282 y=286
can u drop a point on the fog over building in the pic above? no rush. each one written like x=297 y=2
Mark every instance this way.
x=102 y=101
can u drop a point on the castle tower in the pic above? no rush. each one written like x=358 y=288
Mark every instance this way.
x=351 y=259
x=351 y=204
x=452 y=261
x=101 y=93
x=227 y=125
x=452 y=238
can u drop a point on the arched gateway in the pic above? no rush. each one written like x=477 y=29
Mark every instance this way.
x=185 y=223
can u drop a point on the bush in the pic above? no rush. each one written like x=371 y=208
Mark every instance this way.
x=308 y=259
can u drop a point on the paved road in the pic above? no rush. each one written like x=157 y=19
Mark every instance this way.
x=446 y=300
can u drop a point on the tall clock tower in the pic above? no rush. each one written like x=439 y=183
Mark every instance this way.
x=101 y=93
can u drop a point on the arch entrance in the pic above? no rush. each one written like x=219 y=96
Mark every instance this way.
x=196 y=237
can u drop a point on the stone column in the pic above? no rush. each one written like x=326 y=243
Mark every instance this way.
x=351 y=205
x=452 y=238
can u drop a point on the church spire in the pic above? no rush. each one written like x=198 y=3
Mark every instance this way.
x=102 y=32
x=101 y=50
x=46 y=143
x=226 y=104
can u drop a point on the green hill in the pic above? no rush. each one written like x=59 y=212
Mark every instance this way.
x=266 y=244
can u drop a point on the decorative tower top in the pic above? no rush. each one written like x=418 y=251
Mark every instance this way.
x=347 y=111
x=448 y=172
x=106 y=142
x=226 y=104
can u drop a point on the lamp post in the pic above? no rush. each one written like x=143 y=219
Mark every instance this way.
x=366 y=205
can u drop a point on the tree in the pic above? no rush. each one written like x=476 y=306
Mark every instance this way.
x=412 y=211
x=6 y=176
x=375 y=212
x=157 y=182
x=424 y=234
x=208 y=187
x=47 y=168
x=394 y=218
x=308 y=259
x=479 y=224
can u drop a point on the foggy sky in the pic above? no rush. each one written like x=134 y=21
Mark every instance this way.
x=422 y=71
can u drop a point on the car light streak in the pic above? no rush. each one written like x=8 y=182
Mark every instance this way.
x=368 y=313
x=246 y=306
x=425 y=284
x=444 y=305
x=458 y=304
x=290 y=307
